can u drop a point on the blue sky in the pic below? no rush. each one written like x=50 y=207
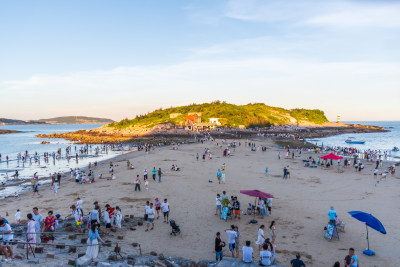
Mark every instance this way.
x=117 y=59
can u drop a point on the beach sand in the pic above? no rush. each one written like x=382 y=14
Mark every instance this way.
x=300 y=206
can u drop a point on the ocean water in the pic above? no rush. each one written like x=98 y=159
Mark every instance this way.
x=26 y=140
x=374 y=141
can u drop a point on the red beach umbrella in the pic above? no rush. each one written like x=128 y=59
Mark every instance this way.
x=332 y=156
x=256 y=193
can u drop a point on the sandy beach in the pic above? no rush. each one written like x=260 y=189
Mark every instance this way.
x=300 y=206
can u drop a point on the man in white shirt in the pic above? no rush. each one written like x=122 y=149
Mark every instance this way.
x=247 y=253
x=269 y=205
x=150 y=217
x=231 y=239
x=77 y=213
x=165 y=208
x=79 y=203
x=265 y=256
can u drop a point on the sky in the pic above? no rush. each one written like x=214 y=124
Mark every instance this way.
x=117 y=59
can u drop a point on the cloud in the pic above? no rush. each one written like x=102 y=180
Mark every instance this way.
x=317 y=13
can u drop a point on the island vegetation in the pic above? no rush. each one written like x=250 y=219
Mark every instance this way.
x=229 y=115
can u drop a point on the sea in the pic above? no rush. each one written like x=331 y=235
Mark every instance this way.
x=382 y=141
x=13 y=144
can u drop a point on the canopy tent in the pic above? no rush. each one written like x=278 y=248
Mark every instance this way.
x=370 y=221
x=331 y=156
x=256 y=194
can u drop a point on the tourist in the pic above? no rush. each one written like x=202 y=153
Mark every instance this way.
x=218 y=247
x=154 y=172
x=94 y=215
x=78 y=215
x=265 y=256
x=79 y=203
x=223 y=176
x=237 y=241
x=248 y=253
x=157 y=203
x=49 y=228
x=137 y=183
x=231 y=239
x=55 y=189
x=93 y=248
x=287 y=172
x=159 y=175
x=261 y=238
x=284 y=173
x=118 y=218
x=39 y=221
x=269 y=206
x=219 y=174
x=7 y=237
x=150 y=217
x=146 y=185
x=110 y=213
x=145 y=173
x=18 y=217
x=236 y=207
x=336 y=264
x=351 y=260
x=31 y=233
x=107 y=221
x=197 y=158
x=272 y=232
x=332 y=216
x=297 y=262
x=218 y=204
x=166 y=208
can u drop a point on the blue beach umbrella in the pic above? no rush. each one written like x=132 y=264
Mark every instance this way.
x=370 y=221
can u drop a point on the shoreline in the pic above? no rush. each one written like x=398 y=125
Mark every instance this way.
x=110 y=135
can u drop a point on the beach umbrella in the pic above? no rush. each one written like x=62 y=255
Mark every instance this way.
x=370 y=221
x=331 y=156
x=256 y=194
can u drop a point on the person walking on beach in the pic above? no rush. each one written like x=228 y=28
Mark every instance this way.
x=94 y=216
x=145 y=173
x=218 y=204
x=231 y=239
x=284 y=173
x=219 y=244
x=219 y=174
x=269 y=206
x=287 y=172
x=272 y=232
x=237 y=241
x=166 y=208
x=137 y=183
x=159 y=175
x=261 y=238
x=154 y=172
x=93 y=249
x=39 y=222
x=197 y=156
x=150 y=217
x=77 y=213
x=157 y=203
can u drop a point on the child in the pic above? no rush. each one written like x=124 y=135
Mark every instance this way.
x=146 y=184
x=16 y=195
x=18 y=217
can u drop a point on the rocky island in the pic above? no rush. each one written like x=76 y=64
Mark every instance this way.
x=219 y=117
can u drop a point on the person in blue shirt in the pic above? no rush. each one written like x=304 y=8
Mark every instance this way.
x=219 y=174
x=332 y=216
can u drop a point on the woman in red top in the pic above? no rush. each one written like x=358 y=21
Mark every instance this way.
x=49 y=228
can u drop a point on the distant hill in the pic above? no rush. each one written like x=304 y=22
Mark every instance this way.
x=75 y=120
x=58 y=120
x=4 y=121
x=229 y=115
